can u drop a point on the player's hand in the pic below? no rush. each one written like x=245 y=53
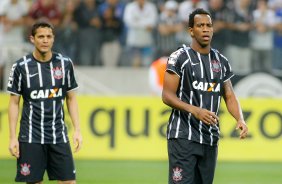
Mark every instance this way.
x=241 y=124
x=77 y=140
x=14 y=148
x=206 y=116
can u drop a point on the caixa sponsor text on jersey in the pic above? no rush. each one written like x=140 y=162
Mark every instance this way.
x=46 y=93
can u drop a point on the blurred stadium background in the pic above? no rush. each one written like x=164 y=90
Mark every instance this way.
x=122 y=116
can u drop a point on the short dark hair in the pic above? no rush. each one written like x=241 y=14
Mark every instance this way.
x=194 y=13
x=41 y=24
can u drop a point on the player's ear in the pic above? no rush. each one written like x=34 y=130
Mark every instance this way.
x=192 y=33
x=31 y=38
x=190 y=30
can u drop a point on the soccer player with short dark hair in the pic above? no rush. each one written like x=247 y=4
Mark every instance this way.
x=196 y=78
x=44 y=79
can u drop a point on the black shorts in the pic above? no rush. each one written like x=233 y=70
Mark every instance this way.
x=36 y=158
x=191 y=162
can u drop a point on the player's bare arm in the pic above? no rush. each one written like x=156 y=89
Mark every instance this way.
x=13 y=119
x=234 y=108
x=170 y=98
x=73 y=111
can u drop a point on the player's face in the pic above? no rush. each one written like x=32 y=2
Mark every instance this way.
x=202 y=31
x=43 y=39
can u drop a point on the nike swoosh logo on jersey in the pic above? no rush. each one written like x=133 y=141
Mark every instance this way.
x=194 y=64
x=32 y=75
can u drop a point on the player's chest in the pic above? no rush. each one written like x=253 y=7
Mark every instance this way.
x=43 y=75
x=205 y=68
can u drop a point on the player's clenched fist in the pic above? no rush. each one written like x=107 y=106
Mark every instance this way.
x=14 y=148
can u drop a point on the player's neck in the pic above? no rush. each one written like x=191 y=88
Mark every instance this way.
x=198 y=48
x=42 y=56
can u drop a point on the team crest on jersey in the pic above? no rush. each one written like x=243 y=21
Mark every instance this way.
x=25 y=169
x=215 y=66
x=57 y=73
x=177 y=176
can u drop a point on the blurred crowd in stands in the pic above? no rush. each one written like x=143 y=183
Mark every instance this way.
x=115 y=33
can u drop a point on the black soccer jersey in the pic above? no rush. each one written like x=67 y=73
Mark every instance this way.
x=201 y=84
x=43 y=86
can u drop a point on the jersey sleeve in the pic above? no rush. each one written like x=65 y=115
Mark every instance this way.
x=71 y=81
x=14 y=85
x=227 y=70
x=175 y=61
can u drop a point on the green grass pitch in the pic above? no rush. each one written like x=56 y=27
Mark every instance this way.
x=155 y=172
